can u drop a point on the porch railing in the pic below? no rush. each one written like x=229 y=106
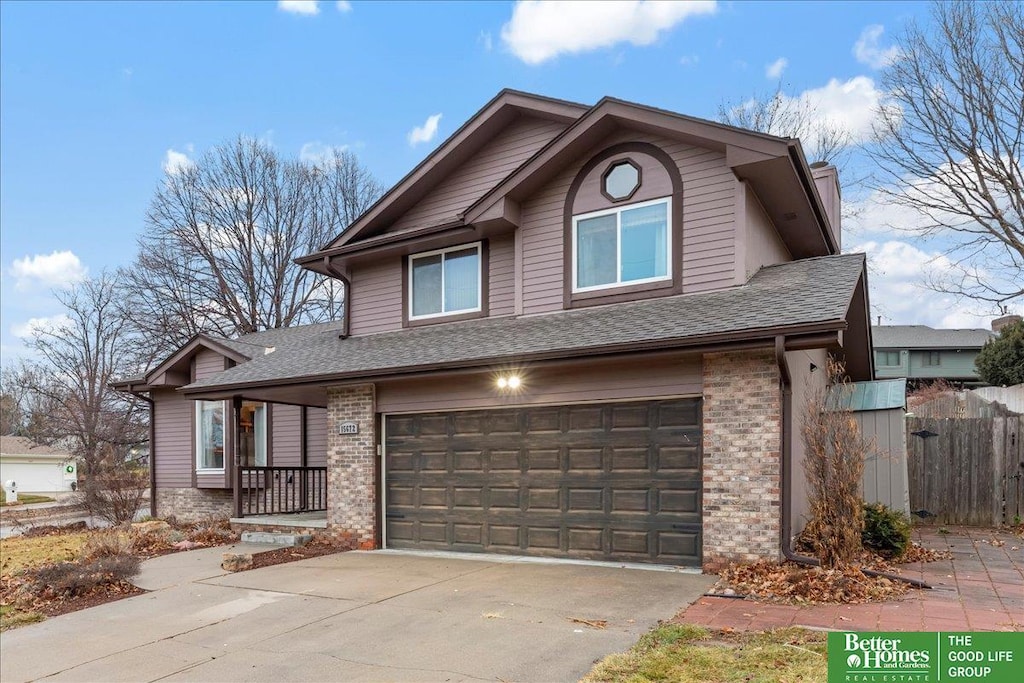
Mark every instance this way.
x=278 y=490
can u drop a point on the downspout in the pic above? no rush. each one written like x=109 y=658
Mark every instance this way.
x=337 y=273
x=786 y=449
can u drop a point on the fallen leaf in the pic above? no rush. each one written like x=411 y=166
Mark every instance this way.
x=592 y=623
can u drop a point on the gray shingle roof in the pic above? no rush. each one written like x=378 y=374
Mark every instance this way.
x=256 y=344
x=924 y=337
x=806 y=292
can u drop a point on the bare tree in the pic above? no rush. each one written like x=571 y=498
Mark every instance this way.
x=221 y=236
x=785 y=116
x=78 y=358
x=950 y=150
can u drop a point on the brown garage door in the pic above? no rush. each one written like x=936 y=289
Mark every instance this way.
x=610 y=482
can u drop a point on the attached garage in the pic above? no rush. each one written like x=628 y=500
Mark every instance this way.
x=613 y=481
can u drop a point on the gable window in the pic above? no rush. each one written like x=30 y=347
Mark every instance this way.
x=210 y=435
x=445 y=282
x=887 y=358
x=622 y=246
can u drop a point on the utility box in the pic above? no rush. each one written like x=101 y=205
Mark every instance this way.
x=11 y=491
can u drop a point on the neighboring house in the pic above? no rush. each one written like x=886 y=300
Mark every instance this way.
x=571 y=331
x=920 y=353
x=36 y=468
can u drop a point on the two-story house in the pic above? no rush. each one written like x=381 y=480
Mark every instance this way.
x=571 y=331
x=924 y=354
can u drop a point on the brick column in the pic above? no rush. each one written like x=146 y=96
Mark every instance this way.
x=351 y=458
x=742 y=427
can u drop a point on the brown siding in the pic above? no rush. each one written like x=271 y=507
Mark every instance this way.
x=502 y=284
x=377 y=297
x=708 y=223
x=496 y=160
x=286 y=434
x=173 y=435
x=208 y=364
x=316 y=437
x=596 y=381
x=763 y=245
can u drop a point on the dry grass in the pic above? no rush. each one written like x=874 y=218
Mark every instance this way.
x=689 y=654
x=19 y=552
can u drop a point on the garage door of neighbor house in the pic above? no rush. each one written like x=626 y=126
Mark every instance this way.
x=598 y=481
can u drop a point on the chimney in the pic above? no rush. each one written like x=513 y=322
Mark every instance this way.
x=999 y=323
x=826 y=180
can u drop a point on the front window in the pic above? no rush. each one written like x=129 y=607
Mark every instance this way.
x=622 y=246
x=252 y=446
x=932 y=358
x=210 y=435
x=887 y=358
x=444 y=282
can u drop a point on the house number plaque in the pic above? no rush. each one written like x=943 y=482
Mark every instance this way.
x=348 y=428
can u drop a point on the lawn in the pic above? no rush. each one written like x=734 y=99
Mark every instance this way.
x=689 y=654
x=25 y=499
x=18 y=553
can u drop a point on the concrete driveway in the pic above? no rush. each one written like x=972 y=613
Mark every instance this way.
x=358 y=616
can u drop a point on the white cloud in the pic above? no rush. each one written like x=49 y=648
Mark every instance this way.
x=486 y=40
x=775 y=69
x=308 y=8
x=317 y=153
x=28 y=328
x=850 y=106
x=540 y=30
x=57 y=269
x=426 y=132
x=868 y=51
x=689 y=60
x=897 y=275
x=343 y=6
x=175 y=162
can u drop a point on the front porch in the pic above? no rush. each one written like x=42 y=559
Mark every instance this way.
x=299 y=523
x=280 y=500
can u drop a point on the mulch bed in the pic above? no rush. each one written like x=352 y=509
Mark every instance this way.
x=314 y=548
x=796 y=584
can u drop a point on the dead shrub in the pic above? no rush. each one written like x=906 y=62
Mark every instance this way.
x=833 y=465
x=70 y=579
x=115 y=492
x=106 y=543
x=929 y=392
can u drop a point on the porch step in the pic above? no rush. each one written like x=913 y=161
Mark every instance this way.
x=275 y=538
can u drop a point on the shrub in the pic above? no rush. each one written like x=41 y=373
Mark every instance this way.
x=79 y=578
x=886 y=531
x=115 y=492
x=107 y=543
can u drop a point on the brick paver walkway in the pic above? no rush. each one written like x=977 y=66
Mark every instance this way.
x=980 y=588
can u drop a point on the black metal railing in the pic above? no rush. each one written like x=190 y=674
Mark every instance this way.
x=280 y=490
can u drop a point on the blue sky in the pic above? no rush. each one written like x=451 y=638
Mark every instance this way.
x=97 y=98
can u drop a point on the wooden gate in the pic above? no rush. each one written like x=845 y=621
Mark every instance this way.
x=966 y=470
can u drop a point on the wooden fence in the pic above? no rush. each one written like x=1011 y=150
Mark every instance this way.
x=966 y=470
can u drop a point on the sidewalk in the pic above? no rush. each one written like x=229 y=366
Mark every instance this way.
x=980 y=588
x=177 y=569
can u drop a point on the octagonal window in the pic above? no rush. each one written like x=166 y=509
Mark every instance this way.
x=620 y=181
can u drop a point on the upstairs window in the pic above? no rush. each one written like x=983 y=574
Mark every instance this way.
x=622 y=246
x=210 y=435
x=932 y=358
x=445 y=282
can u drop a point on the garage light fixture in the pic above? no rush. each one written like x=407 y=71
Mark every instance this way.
x=509 y=382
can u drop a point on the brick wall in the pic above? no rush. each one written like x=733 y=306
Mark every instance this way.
x=194 y=504
x=351 y=459
x=742 y=428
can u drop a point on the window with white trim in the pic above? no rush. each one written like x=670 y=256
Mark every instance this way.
x=622 y=246
x=445 y=282
x=209 y=435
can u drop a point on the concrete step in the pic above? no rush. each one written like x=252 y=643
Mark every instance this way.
x=271 y=538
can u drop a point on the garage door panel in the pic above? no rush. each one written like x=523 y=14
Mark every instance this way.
x=612 y=481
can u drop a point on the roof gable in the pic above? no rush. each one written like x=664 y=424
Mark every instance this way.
x=450 y=154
